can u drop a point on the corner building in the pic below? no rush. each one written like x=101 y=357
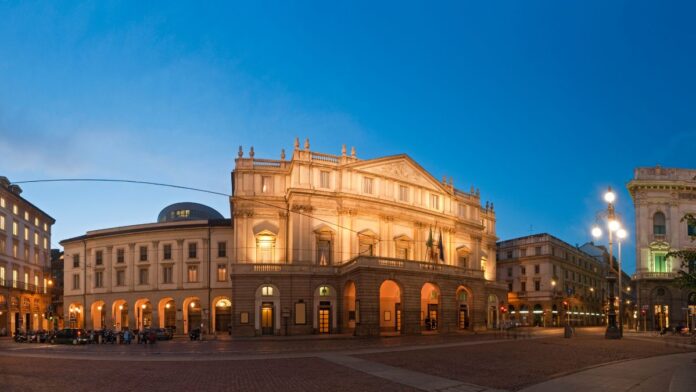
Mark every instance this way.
x=25 y=262
x=318 y=243
x=662 y=196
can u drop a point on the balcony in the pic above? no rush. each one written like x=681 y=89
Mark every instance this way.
x=21 y=286
x=357 y=262
x=655 y=275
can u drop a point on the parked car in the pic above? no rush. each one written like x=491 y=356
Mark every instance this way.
x=69 y=336
x=163 y=334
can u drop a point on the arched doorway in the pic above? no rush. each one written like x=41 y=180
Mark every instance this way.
x=350 y=313
x=98 y=312
x=75 y=315
x=492 y=311
x=660 y=312
x=430 y=297
x=538 y=313
x=223 y=315
x=390 y=307
x=143 y=313
x=463 y=306
x=192 y=314
x=324 y=309
x=120 y=314
x=167 y=311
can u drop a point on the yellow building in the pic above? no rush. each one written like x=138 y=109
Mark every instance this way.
x=317 y=243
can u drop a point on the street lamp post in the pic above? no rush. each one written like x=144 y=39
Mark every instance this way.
x=621 y=234
x=613 y=225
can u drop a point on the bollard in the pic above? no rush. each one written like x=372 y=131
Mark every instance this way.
x=568 y=332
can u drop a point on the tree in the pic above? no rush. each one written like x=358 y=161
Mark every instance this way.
x=686 y=277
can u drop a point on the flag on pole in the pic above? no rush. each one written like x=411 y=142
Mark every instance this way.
x=441 y=247
x=429 y=244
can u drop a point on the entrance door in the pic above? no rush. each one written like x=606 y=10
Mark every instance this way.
x=397 y=319
x=324 y=320
x=432 y=315
x=267 y=327
x=463 y=317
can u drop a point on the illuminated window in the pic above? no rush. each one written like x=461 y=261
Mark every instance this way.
x=36 y=239
x=45 y=226
x=15 y=229
x=181 y=214
x=265 y=245
x=324 y=177
x=267 y=291
x=2 y=276
x=36 y=281
x=266 y=184
x=26 y=216
x=660 y=262
x=26 y=234
x=15 y=276
x=2 y=202
x=45 y=242
x=2 y=222
x=15 y=209
x=36 y=222
x=192 y=273
x=403 y=193
x=222 y=272
x=15 y=250
x=367 y=185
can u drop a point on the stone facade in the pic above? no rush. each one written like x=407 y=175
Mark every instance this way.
x=551 y=282
x=317 y=243
x=25 y=247
x=662 y=196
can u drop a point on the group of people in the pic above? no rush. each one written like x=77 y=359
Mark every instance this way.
x=142 y=336
x=126 y=336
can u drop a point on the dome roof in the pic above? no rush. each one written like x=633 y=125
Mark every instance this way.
x=187 y=211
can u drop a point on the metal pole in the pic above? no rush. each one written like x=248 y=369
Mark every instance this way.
x=620 y=294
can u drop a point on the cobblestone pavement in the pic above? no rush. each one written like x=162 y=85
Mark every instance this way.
x=435 y=363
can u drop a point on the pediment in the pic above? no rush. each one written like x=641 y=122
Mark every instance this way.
x=400 y=168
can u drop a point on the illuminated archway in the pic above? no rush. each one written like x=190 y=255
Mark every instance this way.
x=390 y=306
x=464 y=299
x=119 y=311
x=98 y=313
x=222 y=314
x=430 y=298
x=192 y=314
x=166 y=309
x=350 y=311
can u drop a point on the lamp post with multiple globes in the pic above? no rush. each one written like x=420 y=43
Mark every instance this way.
x=613 y=226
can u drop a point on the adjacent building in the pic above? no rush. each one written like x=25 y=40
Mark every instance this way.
x=662 y=196
x=318 y=243
x=25 y=246
x=551 y=282
x=55 y=289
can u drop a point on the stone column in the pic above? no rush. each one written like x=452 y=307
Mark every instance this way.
x=410 y=310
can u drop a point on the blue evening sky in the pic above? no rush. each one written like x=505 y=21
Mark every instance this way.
x=540 y=104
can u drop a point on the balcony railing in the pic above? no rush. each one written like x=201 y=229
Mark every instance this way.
x=655 y=275
x=22 y=286
x=357 y=262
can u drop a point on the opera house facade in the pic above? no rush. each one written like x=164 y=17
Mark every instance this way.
x=317 y=243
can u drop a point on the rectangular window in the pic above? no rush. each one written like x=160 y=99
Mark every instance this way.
x=15 y=209
x=15 y=229
x=99 y=257
x=523 y=252
x=222 y=249
x=403 y=193
x=167 y=274
x=536 y=268
x=120 y=255
x=222 y=272
x=324 y=179
x=26 y=281
x=45 y=226
x=167 y=252
x=523 y=271
x=266 y=184
x=143 y=274
x=523 y=286
x=76 y=261
x=45 y=241
x=36 y=238
x=554 y=270
x=324 y=252
x=36 y=222
x=509 y=271
x=2 y=222
x=434 y=201
x=192 y=250
x=143 y=253
x=691 y=230
x=537 y=251
x=192 y=273
x=26 y=234
x=36 y=282
x=509 y=254
x=26 y=216
x=98 y=279
x=14 y=278
x=367 y=185
x=120 y=278
x=537 y=285
x=2 y=202
x=461 y=210
x=509 y=286
x=2 y=276
x=660 y=263
x=76 y=281
x=15 y=250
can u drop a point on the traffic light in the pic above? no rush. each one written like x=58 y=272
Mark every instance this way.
x=503 y=309
x=565 y=305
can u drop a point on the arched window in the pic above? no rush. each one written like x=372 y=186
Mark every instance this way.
x=267 y=291
x=659 y=227
x=324 y=291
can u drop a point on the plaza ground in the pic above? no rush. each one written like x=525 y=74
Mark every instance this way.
x=472 y=362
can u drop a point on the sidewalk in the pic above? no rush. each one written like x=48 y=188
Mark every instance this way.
x=673 y=373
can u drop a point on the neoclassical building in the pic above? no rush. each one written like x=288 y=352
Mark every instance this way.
x=662 y=196
x=317 y=243
x=25 y=249
x=551 y=282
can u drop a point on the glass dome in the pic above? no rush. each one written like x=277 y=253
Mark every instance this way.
x=187 y=211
